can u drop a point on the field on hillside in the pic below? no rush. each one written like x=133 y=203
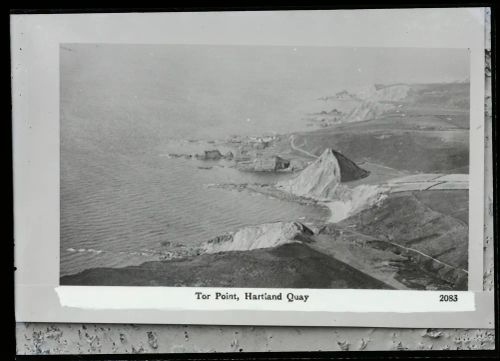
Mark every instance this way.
x=427 y=131
x=286 y=266
x=410 y=150
x=373 y=170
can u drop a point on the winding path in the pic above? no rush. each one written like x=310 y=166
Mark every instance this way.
x=429 y=181
x=294 y=147
x=408 y=249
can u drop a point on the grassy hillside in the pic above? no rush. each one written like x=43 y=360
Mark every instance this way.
x=427 y=131
x=440 y=98
x=287 y=266
x=412 y=150
x=434 y=223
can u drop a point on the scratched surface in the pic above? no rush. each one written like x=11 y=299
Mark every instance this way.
x=43 y=338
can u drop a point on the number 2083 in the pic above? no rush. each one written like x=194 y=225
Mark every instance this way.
x=448 y=298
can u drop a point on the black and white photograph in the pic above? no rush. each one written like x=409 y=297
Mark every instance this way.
x=264 y=166
x=298 y=168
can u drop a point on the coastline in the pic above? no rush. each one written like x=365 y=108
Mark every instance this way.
x=328 y=166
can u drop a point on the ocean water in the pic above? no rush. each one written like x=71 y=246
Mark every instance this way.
x=123 y=107
x=117 y=209
x=122 y=198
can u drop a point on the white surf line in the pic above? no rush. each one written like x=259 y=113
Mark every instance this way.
x=294 y=147
x=403 y=247
x=143 y=253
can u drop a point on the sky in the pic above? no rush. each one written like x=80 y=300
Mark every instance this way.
x=212 y=91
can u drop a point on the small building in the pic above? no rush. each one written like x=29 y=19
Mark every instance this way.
x=270 y=164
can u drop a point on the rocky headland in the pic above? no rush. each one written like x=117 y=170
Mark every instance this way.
x=409 y=236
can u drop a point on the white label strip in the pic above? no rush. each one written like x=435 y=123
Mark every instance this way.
x=218 y=299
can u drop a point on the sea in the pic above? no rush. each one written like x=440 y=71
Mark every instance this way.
x=125 y=109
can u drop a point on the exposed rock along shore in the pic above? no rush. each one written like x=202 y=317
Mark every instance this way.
x=378 y=236
x=322 y=181
x=266 y=235
x=315 y=255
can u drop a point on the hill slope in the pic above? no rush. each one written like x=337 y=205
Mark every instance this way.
x=321 y=178
x=265 y=235
x=431 y=223
x=413 y=127
x=287 y=266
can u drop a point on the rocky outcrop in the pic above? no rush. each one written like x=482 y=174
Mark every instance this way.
x=214 y=154
x=265 y=235
x=321 y=178
x=388 y=93
x=270 y=164
x=210 y=155
x=366 y=103
x=297 y=164
x=177 y=155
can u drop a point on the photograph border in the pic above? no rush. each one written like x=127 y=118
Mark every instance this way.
x=34 y=290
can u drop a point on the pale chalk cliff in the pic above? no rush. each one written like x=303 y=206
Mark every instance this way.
x=321 y=179
x=265 y=235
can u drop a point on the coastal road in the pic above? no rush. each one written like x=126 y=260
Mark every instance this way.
x=408 y=249
x=294 y=147
x=426 y=181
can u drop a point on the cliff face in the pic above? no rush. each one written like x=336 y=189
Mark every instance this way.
x=367 y=103
x=266 y=235
x=388 y=93
x=321 y=178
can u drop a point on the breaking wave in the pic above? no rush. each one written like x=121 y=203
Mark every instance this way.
x=353 y=200
x=344 y=203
